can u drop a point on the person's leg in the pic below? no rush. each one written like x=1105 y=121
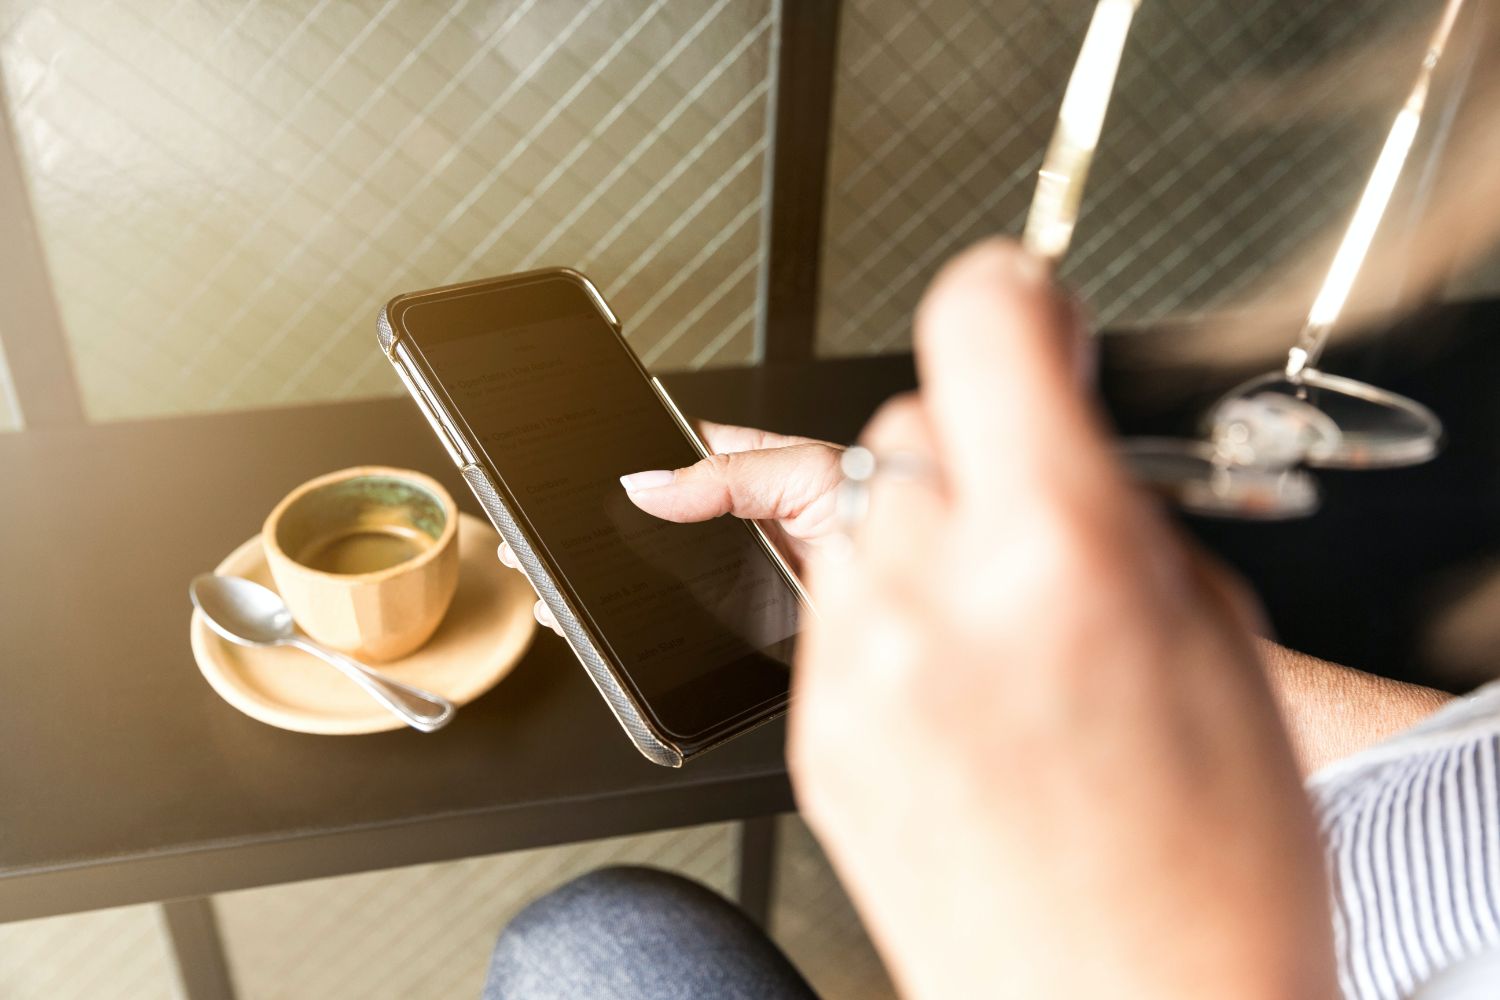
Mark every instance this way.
x=638 y=934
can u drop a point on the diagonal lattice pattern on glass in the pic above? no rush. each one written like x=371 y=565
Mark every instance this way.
x=943 y=110
x=227 y=193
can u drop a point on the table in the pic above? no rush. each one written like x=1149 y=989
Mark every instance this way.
x=125 y=779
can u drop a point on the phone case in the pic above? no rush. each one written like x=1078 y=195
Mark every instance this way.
x=655 y=745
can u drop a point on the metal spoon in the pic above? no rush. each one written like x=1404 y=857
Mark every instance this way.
x=246 y=613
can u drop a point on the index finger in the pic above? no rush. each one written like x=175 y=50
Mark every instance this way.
x=997 y=358
x=726 y=439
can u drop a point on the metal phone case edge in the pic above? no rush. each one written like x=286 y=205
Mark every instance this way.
x=648 y=740
x=627 y=713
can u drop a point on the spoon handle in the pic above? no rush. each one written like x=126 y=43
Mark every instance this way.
x=422 y=710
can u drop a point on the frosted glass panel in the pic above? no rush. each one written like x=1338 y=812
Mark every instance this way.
x=227 y=193
x=943 y=110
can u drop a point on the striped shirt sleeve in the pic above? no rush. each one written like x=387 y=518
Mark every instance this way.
x=1411 y=830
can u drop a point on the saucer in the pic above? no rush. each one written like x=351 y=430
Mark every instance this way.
x=483 y=635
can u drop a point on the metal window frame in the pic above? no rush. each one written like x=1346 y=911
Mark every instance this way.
x=799 y=120
x=42 y=376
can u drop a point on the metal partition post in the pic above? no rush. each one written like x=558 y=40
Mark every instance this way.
x=803 y=58
x=30 y=327
x=197 y=949
x=756 y=884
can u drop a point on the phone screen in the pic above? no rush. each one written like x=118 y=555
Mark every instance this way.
x=697 y=616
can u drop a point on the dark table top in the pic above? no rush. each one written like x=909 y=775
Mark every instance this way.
x=124 y=778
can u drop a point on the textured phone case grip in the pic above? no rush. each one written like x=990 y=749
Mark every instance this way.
x=620 y=703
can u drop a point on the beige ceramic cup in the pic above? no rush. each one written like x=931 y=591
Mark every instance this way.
x=366 y=558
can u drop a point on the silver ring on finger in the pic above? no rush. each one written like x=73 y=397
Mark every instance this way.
x=861 y=467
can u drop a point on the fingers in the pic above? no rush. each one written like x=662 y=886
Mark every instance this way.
x=769 y=484
x=1225 y=589
x=724 y=439
x=544 y=617
x=998 y=354
x=539 y=610
x=897 y=530
x=904 y=505
x=1082 y=344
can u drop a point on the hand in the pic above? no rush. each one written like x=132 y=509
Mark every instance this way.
x=787 y=482
x=1029 y=724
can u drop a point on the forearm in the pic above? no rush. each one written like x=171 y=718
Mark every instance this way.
x=1332 y=711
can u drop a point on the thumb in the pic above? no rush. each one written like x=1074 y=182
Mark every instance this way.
x=774 y=484
x=998 y=352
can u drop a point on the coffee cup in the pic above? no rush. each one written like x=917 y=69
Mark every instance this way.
x=366 y=558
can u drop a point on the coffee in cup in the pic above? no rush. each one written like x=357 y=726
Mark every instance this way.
x=366 y=558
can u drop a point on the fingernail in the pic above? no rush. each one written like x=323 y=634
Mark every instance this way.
x=648 y=480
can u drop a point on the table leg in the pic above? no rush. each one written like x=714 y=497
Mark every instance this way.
x=757 y=868
x=197 y=950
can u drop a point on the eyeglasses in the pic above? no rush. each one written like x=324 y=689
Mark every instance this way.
x=1263 y=435
x=1065 y=167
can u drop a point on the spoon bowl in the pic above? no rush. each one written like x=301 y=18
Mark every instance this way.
x=244 y=612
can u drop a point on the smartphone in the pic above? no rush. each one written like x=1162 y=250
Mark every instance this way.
x=686 y=629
